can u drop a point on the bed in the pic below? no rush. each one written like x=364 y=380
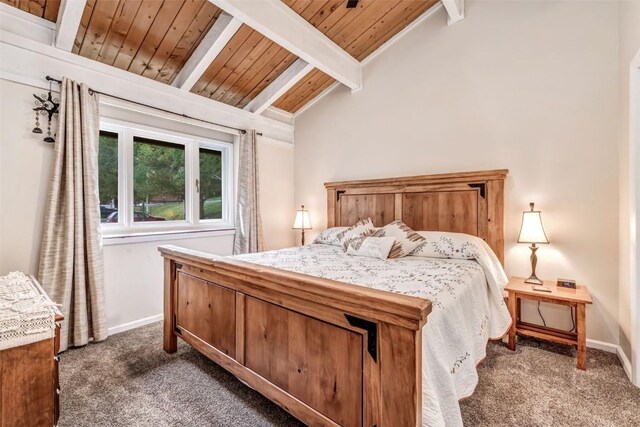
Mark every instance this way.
x=348 y=341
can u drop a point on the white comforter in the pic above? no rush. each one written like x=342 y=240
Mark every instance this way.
x=468 y=309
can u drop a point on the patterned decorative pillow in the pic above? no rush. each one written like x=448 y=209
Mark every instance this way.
x=330 y=236
x=364 y=227
x=373 y=247
x=406 y=239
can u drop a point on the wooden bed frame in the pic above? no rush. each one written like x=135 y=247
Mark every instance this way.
x=329 y=353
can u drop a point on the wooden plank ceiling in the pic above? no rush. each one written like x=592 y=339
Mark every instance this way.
x=47 y=9
x=246 y=66
x=250 y=62
x=154 y=38
x=359 y=31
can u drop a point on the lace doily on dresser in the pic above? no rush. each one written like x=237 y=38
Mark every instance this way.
x=27 y=315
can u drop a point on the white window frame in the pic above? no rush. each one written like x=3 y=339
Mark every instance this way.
x=126 y=226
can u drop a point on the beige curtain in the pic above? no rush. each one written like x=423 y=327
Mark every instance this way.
x=248 y=223
x=71 y=269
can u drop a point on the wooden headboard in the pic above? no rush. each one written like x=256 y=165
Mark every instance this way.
x=466 y=202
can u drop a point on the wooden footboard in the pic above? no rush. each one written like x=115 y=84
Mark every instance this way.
x=327 y=352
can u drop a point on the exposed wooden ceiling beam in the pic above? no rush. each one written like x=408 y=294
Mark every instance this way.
x=67 y=24
x=455 y=9
x=278 y=22
x=211 y=45
x=279 y=86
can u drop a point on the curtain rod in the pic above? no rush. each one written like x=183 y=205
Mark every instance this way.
x=92 y=91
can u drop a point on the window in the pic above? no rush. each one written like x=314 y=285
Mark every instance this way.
x=209 y=185
x=108 y=174
x=158 y=180
x=154 y=182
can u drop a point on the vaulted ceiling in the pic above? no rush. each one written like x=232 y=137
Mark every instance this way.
x=157 y=38
x=153 y=39
x=47 y=9
x=245 y=67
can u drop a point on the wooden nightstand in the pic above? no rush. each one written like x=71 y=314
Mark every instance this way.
x=574 y=298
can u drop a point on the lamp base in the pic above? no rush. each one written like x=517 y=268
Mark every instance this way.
x=534 y=280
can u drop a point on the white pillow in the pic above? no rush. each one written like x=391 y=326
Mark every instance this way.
x=374 y=247
x=364 y=227
x=406 y=239
x=330 y=236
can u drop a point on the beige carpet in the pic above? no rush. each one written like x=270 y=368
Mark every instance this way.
x=129 y=381
x=539 y=385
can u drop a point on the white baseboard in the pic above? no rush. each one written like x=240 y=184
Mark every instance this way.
x=626 y=364
x=135 y=324
x=601 y=345
x=615 y=349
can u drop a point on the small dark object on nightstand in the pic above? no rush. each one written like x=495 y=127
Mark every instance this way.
x=566 y=283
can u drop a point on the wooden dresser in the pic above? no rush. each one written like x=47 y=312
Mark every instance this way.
x=29 y=388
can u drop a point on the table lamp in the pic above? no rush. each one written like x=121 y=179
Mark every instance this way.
x=302 y=221
x=532 y=232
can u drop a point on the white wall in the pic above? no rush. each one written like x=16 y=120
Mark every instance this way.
x=134 y=278
x=275 y=172
x=24 y=164
x=133 y=271
x=529 y=86
x=629 y=37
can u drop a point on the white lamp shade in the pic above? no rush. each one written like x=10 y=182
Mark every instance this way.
x=532 y=230
x=302 y=221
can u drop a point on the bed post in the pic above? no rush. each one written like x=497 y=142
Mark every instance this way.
x=401 y=375
x=495 y=217
x=170 y=342
x=331 y=208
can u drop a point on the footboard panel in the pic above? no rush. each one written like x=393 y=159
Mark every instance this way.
x=327 y=352
x=200 y=305
x=317 y=362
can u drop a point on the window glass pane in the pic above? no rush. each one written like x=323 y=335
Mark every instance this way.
x=210 y=184
x=108 y=176
x=158 y=181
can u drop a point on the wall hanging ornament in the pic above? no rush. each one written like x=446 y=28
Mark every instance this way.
x=46 y=105
x=37 y=128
